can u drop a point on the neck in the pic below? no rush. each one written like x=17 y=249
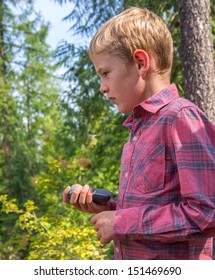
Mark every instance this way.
x=156 y=82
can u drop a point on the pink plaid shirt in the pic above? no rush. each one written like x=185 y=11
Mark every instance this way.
x=166 y=203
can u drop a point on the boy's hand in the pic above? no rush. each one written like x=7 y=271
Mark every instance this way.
x=82 y=199
x=103 y=225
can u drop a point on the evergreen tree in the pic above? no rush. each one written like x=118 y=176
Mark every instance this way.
x=28 y=92
x=29 y=112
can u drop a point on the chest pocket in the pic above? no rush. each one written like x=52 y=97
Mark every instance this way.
x=147 y=168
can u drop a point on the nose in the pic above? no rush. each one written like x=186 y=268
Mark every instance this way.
x=103 y=88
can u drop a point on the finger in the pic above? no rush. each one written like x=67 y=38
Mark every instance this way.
x=92 y=207
x=98 y=235
x=66 y=195
x=96 y=227
x=93 y=220
x=75 y=194
x=83 y=198
x=89 y=198
x=104 y=240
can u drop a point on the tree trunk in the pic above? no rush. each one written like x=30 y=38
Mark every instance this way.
x=197 y=54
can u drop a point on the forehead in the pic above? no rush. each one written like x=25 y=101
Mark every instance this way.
x=103 y=61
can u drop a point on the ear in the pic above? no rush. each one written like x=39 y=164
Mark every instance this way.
x=141 y=58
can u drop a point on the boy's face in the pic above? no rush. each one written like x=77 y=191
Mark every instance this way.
x=120 y=81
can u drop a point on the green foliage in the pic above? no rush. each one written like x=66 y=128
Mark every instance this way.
x=50 y=230
x=28 y=95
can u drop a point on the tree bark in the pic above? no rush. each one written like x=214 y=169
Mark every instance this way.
x=197 y=54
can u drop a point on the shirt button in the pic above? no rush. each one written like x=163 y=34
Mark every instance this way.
x=134 y=139
x=126 y=175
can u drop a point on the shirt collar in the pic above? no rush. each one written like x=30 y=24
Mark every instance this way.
x=159 y=100
x=154 y=103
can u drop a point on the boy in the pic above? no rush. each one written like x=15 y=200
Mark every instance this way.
x=166 y=203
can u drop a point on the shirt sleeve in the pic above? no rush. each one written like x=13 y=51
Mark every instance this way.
x=112 y=204
x=193 y=140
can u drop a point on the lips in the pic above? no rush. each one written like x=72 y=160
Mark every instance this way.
x=112 y=99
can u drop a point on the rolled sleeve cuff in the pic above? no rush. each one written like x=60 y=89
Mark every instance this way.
x=126 y=224
x=112 y=205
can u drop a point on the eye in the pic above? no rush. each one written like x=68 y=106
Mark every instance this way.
x=105 y=73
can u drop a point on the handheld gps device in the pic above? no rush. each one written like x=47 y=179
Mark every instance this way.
x=100 y=196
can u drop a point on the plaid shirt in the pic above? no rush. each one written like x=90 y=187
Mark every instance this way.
x=166 y=204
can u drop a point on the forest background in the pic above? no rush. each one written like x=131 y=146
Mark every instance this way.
x=53 y=137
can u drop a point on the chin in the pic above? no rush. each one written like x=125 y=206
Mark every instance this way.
x=124 y=110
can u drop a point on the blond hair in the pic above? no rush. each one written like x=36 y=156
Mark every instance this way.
x=135 y=28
